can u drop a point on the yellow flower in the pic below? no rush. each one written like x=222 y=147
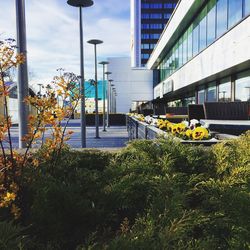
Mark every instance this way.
x=180 y=127
x=200 y=133
x=9 y=197
x=174 y=129
x=189 y=133
x=170 y=126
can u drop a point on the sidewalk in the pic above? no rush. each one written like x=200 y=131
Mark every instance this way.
x=115 y=137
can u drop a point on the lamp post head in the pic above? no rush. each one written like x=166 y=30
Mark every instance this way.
x=110 y=80
x=80 y=3
x=95 y=41
x=108 y=73
x=104 y=62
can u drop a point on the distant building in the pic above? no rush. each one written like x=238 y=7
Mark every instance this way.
x=148 y=19
x=133 y=85
x=203 y=54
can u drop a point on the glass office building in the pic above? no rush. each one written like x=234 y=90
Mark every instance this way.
x=148 y=19
x=207 y=57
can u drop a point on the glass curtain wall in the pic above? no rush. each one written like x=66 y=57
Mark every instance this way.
x=242 y=86
x=216 y=17
x=246 y=7
x=225 y=90
x=234 y=12
x=211 y=92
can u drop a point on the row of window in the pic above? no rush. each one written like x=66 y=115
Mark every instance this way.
x=156 y=16
x=227 y=90
x=215 y=19
x=158 y=5
x=152 y=26
x=224 y=90
x=150 y=36
x=148 y=45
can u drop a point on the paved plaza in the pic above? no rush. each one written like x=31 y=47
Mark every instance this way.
x=114 y=137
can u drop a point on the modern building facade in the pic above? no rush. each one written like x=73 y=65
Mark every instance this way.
x=203 y=54
x=133 y=85
x=148 y=19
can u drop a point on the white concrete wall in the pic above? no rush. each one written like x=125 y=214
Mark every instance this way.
x=227 y=52
x=132 y=84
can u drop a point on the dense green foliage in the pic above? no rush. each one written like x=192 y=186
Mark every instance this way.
x=151 y=195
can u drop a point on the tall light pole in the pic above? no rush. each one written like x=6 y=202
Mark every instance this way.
x=82 y=4
x=108 y=73
x=109 y=99
x=112 y=98
x=96 y=42
x=103 y=63
x=22 y=82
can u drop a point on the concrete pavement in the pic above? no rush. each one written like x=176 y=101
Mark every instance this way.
x=114 y=137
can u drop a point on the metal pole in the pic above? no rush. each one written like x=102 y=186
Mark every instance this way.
x=82 y=84
x=104 y=100
x=108 y=103
x=96 y=99
x=22 y=82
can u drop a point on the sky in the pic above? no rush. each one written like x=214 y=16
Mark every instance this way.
x=53 y=35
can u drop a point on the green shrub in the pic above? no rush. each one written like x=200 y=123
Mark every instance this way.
x=151 y=195
x=12 y=236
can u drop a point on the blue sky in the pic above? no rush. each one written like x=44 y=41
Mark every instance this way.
x=53 y=34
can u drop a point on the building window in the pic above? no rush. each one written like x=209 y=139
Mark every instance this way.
x=211 y=92
x=154 y=36
x=156 y=16
x=145 y=36
x=155 y=5
x=167 y=15
x=246 y=7
x=225 y=90
x=188 y=100
x=180 y=49
x=145 y=26
x=156 y=26
x=196 y=36
x=145 y=46
x=168 y=5
x=203 y=30
x=190 y=42
x=152 y=45
x=144 y=56
x=145 y=16
x=242 y=86
x=211 y=20
x=185 y=47
x=201 y=95
x=145 y=6
x=221 y=17
x=234 y=12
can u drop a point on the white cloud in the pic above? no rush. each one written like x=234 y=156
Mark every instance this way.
x=53 y=34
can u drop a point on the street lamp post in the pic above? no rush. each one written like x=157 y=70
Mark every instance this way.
x=96 y=42
x=103 y=63
x=82 y=4
x=22 y=83
x=107 y=94
x=109 y=99
x=112 y=98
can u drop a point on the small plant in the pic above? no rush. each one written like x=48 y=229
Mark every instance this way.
x=49 y=116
